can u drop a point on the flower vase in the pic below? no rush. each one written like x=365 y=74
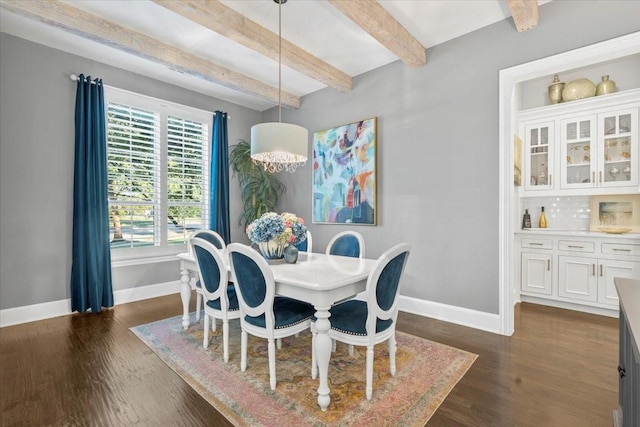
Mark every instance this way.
x=272 y=250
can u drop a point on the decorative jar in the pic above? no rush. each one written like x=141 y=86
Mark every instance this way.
x=578 y=89
x=555 y=90
x=606 y=86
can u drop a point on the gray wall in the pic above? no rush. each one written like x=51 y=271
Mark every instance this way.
x=37 y=101
x=437 y=153
x=438 y=146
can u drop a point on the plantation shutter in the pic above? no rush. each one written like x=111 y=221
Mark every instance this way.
x=187 y=183
x=133 y=147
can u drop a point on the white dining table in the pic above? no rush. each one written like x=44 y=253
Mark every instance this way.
x=319 y=279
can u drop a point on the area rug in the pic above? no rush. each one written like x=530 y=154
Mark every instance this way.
x=426 y=372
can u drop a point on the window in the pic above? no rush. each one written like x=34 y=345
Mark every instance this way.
x=158 y=173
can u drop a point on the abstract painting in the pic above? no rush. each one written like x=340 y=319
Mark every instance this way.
x=344 y=174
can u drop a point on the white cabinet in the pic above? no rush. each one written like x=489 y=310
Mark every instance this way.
x=576 y=272
x=618 y=160
x=539 y=149
x=536 y=273
x=582 y=147
x=577 y=278
x=577 y=148
x=610 y=269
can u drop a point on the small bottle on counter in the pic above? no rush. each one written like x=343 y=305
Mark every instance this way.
x=526 y=219
x=543 y=219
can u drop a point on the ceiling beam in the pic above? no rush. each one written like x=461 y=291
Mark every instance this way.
x=524 y=13
x=375 y=20
x=86 y=25
x=225 y=21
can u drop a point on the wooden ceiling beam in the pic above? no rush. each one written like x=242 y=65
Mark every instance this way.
x=86 y=25
x=225 y=21
x=375 y=20
x=524 y=13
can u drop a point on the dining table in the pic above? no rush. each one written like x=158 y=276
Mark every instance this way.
x=319 y=279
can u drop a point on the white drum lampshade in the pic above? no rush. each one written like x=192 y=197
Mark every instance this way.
x=279 y=146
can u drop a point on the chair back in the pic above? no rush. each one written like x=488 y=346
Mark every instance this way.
x=212 y=271
x=255 y=285
x=383 y=286
x=211 y=237
x=307 y=245
x=346 y=243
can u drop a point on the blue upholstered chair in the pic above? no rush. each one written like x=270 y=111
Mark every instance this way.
x=217 y=240
x=346 y=243
x=220 y=300
x=263 y=314
x=370 y=322
x=307 y=245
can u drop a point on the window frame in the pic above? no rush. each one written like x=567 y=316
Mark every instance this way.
x=164 y=109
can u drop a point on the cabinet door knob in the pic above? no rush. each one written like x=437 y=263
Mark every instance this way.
x=593 y=269
x=601 y=270
x=548 y=265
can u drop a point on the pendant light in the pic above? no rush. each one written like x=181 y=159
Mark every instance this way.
x=279 y=146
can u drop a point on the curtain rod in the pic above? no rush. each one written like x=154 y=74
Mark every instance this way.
x=75 y=78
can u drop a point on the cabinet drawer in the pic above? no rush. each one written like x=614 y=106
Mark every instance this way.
x=537 y=243
x=573 y=246
x=620 y=249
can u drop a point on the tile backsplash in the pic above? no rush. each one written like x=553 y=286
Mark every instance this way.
x=563 y=213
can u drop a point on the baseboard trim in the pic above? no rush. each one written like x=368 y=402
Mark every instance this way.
x=459 y=315
x=47 y=310
x=448 y=313
x=609 y=312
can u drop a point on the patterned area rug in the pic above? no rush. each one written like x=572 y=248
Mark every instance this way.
x=426 y=373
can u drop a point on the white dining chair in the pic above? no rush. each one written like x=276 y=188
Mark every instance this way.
x=346 y=243
x=220 y=299
x=217 y=240
x=263 y=314
x=370 y=322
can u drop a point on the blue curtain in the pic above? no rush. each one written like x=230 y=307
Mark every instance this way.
x=219 y=200
x=91 y=254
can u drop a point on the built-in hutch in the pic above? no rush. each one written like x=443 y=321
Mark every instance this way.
x=571 y=151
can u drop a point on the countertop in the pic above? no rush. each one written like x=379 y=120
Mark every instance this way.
x=635 y=237
x=629 y=294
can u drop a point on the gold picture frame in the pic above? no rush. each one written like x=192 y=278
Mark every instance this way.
x=615 y=214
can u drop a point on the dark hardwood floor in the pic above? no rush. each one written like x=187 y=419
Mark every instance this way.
x=558 y=369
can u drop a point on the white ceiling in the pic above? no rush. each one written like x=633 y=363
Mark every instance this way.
x=313 y=25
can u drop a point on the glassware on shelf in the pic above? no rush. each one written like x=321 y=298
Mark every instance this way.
x=614 y=172
x=542 y=177
x=627 y=172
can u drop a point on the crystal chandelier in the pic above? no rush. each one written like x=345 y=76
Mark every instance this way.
x=279 y=146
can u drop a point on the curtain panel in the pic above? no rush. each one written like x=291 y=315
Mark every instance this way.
x=219 y=199
x=91 y=286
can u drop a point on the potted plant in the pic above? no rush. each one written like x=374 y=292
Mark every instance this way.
x=259 y=189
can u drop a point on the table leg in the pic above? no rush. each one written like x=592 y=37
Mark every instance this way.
x=322 y=347
x=185 y=295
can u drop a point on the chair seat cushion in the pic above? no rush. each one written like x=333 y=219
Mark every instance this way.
x=231 y=295
x=287 y=312
x=198 y=284
x=350 y=317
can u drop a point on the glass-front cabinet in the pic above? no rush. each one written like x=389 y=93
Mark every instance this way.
x=578 y=146
x=599 y=150
x=582 y=147
x=538 y=156
x=618 y=163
